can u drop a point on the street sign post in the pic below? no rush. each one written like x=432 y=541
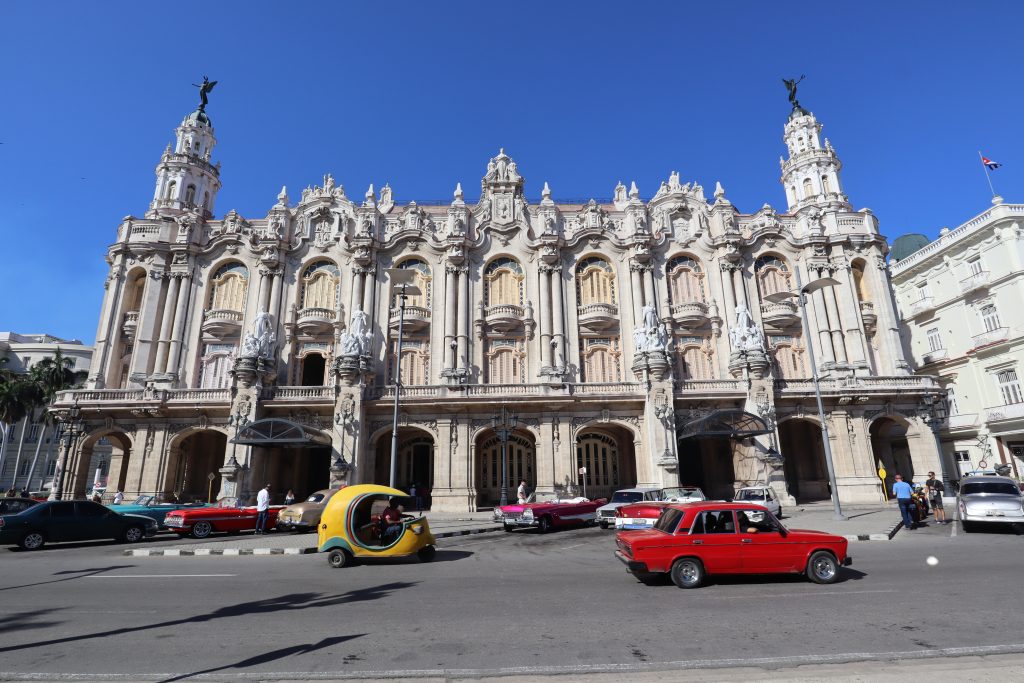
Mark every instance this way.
x=583 y=479
x=881 y=475
x=209 y=489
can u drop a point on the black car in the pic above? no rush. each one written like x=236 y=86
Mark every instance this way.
x=12 y=506
x=67 y=520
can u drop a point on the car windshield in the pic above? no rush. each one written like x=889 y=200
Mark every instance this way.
x=669 y=520
x=1003 y=487
x=750 y=494
x=143 y=500
x=682 y=492
x=627 y=497
x=545 y=498
x=315 y=498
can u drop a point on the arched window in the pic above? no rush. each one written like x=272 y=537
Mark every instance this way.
x=503 y=282
x=693 y=358
x=228 y=287
x=599 y=453
x=772 y=275
x=215 y=366
x=421 y=279
x=172 y=189
x=863 y=293
x=190 y=195
x=320 y=285
x=506 y=361
x=686 y=280
x=521 y=456
x=415 y=362
x=601 y=359
x=595 y=281
x=789 y=357
x=808 y=188
x=136 y=290
x=825 y=184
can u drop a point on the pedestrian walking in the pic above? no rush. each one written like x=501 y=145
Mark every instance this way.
x=11 y=493
x=119 y=497
x=904 y=498
x=521 y=493
x=416 y=492
x=262 y=509
x=24 y=493
x=289 y=497
x=935 y=491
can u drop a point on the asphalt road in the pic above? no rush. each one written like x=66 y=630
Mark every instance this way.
x=493 y=603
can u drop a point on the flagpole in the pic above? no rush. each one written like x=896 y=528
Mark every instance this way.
x=988 y=174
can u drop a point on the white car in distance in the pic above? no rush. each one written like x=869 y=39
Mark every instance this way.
x=760 y=495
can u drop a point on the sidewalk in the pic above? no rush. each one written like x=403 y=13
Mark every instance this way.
x=863 y=522
x=442 y=525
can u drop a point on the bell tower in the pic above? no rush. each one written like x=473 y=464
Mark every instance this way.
x=186 y=180
x=810 y=174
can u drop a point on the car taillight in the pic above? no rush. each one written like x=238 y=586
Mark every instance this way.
x=1 y=522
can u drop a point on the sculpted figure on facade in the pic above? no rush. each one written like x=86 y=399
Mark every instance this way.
x=356 y=341
x=745 y=335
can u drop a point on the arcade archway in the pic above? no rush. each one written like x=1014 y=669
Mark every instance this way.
x=804 y=464
x=521 y=452
x=414 y=461
x=193 y=459
x=609 y=458
x=890 y=446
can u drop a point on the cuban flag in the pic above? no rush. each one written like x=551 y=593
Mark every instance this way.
x=989 y=164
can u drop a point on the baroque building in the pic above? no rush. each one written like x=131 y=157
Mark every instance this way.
x=631 y=338
x=958 y=298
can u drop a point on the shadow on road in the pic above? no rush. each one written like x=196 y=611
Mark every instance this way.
x=23 y=621
x=79 y=572
x=283 y=603
x=271 y=656
x=845 y=574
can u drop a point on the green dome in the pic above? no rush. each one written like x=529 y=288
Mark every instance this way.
x=197 y=118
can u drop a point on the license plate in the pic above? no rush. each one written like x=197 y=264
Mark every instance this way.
x=994 y=513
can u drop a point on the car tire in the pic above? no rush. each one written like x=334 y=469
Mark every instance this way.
x=968 y=527
x=339 y=558
x=545 y=525
x=509 y=528
x=604 y=525
x=822 y=567
x=133 y=534
x=33 y=540
x=687 y=572
x=779 y=516
x=426 y=553
x=201 y=529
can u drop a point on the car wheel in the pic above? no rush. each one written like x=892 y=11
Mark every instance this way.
x=426 y=553
x=822 y=567
x=545 y=525
x=604 y=525
x=338 y=558
x=509 y=528
x=202 y=529
x=33 y=540
x=133 y=534
x=967 y=526
x=779 y=514
x=688 y=573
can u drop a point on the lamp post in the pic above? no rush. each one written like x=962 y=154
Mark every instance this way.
x=339 y=465
x=238 y=421
x=402 y=279
x=801 y=296
x=503 y=427
x=72 y=430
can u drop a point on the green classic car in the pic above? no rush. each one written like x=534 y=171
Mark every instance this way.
x=147 y=506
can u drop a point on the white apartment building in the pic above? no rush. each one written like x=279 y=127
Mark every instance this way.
x=963 y=321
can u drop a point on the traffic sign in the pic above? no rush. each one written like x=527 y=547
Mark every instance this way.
x=983 y=464
x=881 y=473
x=211 y=476
x=583 y=470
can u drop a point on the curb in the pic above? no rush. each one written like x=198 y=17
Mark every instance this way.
x=886 y=536
x=237 y=552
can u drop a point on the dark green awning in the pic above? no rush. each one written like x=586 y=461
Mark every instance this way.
x=276 y=431
x=735 y=424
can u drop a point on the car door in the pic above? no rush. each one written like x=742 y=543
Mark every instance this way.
x=96 y=521
x=763 y=547
x=716 y=542
x=63 y=524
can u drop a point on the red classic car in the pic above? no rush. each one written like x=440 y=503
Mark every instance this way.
x=641 y=515
x=690 y=541
x=227 y=516
x=549 y=511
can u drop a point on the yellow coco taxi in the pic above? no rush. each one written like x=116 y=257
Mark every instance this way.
x=353 y=526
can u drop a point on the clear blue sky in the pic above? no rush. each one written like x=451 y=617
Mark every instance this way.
x=421 y=94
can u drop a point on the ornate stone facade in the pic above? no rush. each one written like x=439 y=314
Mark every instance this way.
x=608 y=327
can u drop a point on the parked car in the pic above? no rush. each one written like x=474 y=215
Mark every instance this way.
x=989 y=500
x=549 y=511
x=606 y=513
x=305 y=516
x=760 y=495
x=12 y=506
x=225 y=517
x=692 y=541
x=643 y=515
x=72 y=520
x=149 y=507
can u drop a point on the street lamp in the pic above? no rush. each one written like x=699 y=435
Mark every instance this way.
x=72 y=430
x=801 y=295
x=503 y=427
x=238 y=421
x=339 y=465
x=402 y=279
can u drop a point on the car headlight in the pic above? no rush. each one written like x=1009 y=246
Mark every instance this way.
x=498 y=515
x=528 y=514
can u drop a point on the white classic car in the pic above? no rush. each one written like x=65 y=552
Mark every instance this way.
x=989 y=500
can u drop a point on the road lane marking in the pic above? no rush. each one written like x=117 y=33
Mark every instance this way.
x=804 y=595
x=456 y=545
x=570 y=547
x=156 y=576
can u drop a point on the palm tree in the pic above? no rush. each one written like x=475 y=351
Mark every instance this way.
x=19 y=395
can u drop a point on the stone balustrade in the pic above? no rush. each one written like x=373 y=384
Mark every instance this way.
x=1011 y=411
x=990 y=336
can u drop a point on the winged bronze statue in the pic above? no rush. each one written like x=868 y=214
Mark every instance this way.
x=791 y=87
x=204 y=88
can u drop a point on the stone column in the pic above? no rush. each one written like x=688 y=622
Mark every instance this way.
x=856 y=340
x=450 y=315
x=146 y=330
x=462 y=360
x=544 y=311
x=648 y=281
x=266 y=275
x=887 y=326
x=369 y=284
x=739 y=288
x=728 y=293
x=835 y=326
x=184 y=294
x=825 y=353
x=558 y=315
x=637 y=292
x=109 y=321
x=276 y=285
x=357 y=290
x=164 y=340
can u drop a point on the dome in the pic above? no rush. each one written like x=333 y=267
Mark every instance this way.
x=904 y=246
x=197 y=118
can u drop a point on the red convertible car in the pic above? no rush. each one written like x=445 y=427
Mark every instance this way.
x=548 y=512
x=691 y=541
x=227 y=516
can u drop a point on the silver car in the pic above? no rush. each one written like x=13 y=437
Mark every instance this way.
x=989 y=500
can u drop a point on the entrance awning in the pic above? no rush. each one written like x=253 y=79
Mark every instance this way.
x=734 y=424
x=275 y=431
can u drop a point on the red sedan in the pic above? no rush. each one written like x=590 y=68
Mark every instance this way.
x=201 y=522
x=691 y=541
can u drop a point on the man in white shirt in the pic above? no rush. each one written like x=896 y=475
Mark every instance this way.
x=118 y=497
x=262 y=507
x=521 y=493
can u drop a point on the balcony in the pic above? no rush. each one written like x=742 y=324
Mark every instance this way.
x=867 y=314
x=709 y=387
x=974 y=282
x=222 y=322
x=990 y=337
x=780 y=315
x=690 y=314
x=598 y=316
x=606 y=388
x=922 y=306
x=315 y=320
x=319 y=394
x=504 y=317
x=416 y=318
x=967 y=421
x=1012 y=411
x=130 y=325
x=933 y=356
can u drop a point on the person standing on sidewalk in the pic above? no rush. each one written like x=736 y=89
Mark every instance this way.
x=904 y=497
x=262 y=509
x=935 y=491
